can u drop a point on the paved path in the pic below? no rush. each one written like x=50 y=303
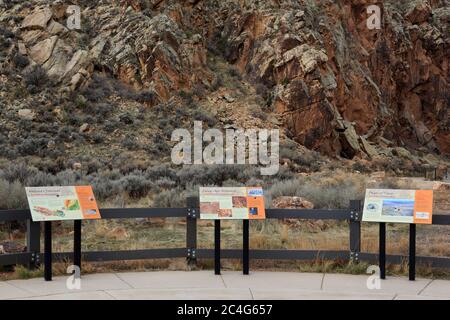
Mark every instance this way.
x=230 y=285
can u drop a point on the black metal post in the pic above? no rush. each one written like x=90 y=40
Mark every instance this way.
x=34 y=242
x=382 y=250
x=355 y=229
x=77 y=243
x=191 y=229
x=412 y=252
x=48 y=251
x=245 y=247
x=217 y=246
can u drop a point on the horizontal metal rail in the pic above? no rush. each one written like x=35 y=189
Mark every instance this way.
x=15 y=258
x=119 y=213
x=132 y=213
x=277 y=254
x=308 y=214
x=15 y=215
x=191 y=252
x=99 y=256
x=125 y=213
x=435 y=262
x=143 y=254
x=441 y=219
x=280 y=254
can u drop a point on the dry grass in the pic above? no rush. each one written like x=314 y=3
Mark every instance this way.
x=316 y=266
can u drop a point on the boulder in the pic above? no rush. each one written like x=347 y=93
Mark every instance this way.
x=38 y=19
x=308 y=57
x=350 y=141
x=76 y=166
x=228 y=98
x=26 y=114
x=402 y=153
x=368 y=148
x=76 y=81
x=22 y=48
x=79 y=59
x=378 y=175
x=58 y=62
x=285 y=202
x=312 y=58
x=42 y=50
x=84 y=128
x=56 y=28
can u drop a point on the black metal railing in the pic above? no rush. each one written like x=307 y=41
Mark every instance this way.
x=353 y=215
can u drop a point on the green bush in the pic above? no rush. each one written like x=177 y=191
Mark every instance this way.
x=136 y=185
x=20 y=61
x=12 y=195
x=36 y=77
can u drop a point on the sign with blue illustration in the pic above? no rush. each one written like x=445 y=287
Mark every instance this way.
x=403 y=206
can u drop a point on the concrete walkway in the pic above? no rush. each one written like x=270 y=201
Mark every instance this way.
x=230 y=285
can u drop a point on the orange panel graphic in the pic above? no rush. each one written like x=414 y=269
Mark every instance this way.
x=255 y=205
x=423 y=206
x=87 y=202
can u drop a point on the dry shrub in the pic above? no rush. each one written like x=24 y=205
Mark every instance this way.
x=260 y=241
x=118 y=233
x=327 y=190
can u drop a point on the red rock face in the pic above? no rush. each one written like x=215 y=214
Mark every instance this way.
x=339 y=87
x=325 y=66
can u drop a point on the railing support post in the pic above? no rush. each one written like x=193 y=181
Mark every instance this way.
x=191 y=229
x=217 y=247
x=412 y=252
x=77 y=243
x=355 y=229
x=34 y=243
x=48 y=251
x=245 y=246
x=382 y=250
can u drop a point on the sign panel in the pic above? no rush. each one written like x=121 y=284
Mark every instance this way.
x=62 y=203
x=403 y=206
x=232 y=203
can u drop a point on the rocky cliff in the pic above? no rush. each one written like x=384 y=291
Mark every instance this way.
x=311 y=67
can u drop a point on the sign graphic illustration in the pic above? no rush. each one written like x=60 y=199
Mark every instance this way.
x=402 y=206
x=232 y=203
x=62 y=203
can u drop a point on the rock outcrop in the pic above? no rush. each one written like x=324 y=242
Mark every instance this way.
x=291 y=203
x=50 y=44
x=338 y=87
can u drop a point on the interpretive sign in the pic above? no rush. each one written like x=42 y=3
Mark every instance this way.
x=62 y=203
x=232 y=203
x=402 y=206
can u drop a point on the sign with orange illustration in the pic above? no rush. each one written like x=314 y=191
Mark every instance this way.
x=402 y=206
x=62 y=203
x=232 y=203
